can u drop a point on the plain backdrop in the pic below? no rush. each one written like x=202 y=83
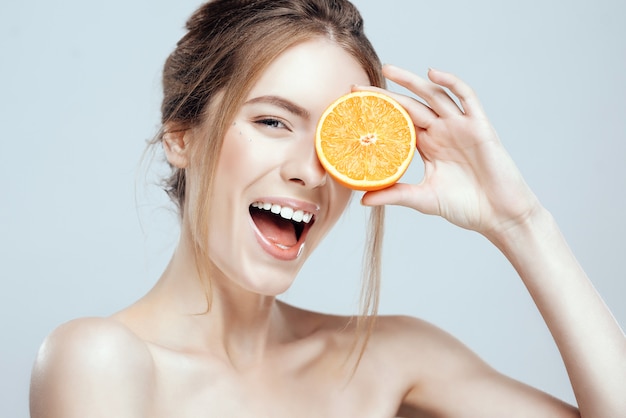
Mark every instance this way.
x=84 y=231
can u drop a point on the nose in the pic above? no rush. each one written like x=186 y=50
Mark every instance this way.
x=304 y=168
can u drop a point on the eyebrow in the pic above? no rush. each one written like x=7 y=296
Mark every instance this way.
x=282 y=103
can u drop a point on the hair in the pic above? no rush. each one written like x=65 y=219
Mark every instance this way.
x=227 y=46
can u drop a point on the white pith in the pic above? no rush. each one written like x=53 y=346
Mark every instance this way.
x=297 y=215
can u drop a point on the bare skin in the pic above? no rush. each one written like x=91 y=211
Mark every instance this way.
x=252 y=355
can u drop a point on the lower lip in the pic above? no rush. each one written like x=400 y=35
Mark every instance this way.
x=283 y=254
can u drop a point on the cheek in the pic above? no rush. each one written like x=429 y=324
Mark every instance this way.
x=340 y=197
x=245 y=155
x=234 y=153
x=343 y=195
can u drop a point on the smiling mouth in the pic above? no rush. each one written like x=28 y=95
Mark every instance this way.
x=283 y=226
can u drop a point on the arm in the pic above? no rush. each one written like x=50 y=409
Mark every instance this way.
x=471 y=181
x=446 y=379
x=91 y=368
x=591 y=343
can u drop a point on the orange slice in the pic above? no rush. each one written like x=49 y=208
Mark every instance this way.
x=365 y=140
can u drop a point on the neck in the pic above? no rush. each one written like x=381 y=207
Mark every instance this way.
x=221 y=318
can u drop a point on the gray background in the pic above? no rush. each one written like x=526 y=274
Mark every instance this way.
x=84 y=231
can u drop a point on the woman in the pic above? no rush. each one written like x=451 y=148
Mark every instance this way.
x=242 y=95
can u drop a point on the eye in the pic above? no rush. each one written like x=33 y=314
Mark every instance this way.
x=272 y=123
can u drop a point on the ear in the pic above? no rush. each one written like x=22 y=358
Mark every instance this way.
x=175 y=144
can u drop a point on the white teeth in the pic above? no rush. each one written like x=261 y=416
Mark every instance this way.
x=286 y=212
x=297 y=215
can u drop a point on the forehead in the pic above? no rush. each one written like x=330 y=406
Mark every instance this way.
x=312 y=74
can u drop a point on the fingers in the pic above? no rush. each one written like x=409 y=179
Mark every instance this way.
x=434 y=95
x=444 y=111
x=437 y=102
x=419 y=197
x=422 y=115
x=468 y=99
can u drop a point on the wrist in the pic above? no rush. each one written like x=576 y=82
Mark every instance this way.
x=536 y=226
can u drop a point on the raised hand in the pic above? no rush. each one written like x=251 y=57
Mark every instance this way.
x=469 y=178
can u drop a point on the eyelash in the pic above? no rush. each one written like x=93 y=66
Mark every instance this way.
x=272 y=123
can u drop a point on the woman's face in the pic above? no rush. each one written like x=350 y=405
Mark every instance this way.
x=273 y=202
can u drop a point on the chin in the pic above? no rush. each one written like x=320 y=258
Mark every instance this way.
x=270 y=286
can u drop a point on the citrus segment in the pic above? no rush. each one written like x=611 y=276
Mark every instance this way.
x=365 y=140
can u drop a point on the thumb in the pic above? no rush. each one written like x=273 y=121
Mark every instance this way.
x=419 y=197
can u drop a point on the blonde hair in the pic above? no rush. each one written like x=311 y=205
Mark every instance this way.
x=227 y=46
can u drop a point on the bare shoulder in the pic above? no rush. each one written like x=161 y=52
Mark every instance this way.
x=388 y=332
x=393 y=339
x=420 y=336
x=421 y=350
x=91 y=367
x=408 y=327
